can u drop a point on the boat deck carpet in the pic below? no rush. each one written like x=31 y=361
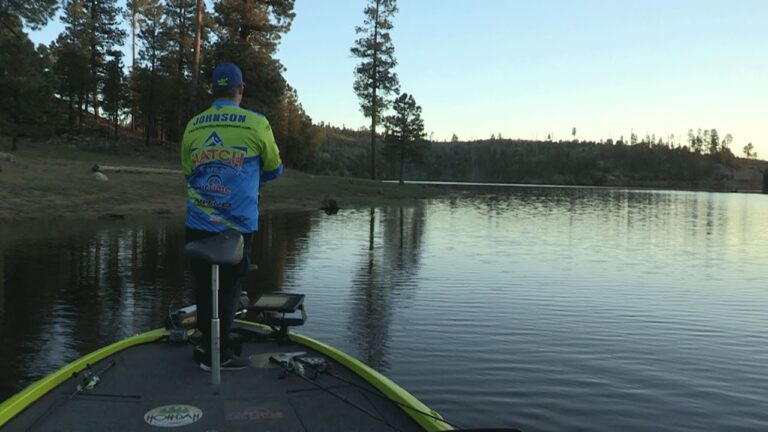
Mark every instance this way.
x=157 y=386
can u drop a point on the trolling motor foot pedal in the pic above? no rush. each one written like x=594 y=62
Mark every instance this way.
x=279 y=311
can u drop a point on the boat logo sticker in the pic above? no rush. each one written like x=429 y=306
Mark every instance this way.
x=173 y=415
x=254 y=413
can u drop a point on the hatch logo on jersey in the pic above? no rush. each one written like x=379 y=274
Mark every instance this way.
x=173 y=415
x=213 y=140
x=214 y=150
x=231 y=156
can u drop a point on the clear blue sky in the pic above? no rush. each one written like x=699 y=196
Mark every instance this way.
x=530 y=68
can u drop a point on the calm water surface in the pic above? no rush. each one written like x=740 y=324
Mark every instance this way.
x=541 y=308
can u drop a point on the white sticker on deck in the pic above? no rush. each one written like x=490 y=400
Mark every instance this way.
x=173 y=415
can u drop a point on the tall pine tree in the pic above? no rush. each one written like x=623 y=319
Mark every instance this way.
x=132 y=11
x=248 y=33
x=375 y=79
x=114 y=89
x=179 y=32
x=153 y=46
x=71 y=70
x=34 y=13
x=26 y=103
x=93 y=27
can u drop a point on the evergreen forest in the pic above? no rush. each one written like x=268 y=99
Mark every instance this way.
x=83 y=82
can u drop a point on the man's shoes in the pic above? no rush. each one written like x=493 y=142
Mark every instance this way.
x=230 y=363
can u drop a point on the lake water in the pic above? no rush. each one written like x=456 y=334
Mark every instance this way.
x=545 y=309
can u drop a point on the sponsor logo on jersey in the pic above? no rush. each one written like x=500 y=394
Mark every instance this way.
x=216 y=186
x=213 y=140
x=214 y=150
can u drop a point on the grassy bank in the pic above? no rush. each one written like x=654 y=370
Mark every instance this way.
x=54 y=180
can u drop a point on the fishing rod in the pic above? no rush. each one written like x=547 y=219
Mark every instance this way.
x=401 y=404
x=347 y=401
x=324 y=368
x=90 y=378
x=89 y=381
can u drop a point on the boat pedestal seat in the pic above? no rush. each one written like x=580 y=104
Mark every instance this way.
x=225 y=248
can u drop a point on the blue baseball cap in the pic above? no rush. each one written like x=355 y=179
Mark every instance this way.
x=227 y=75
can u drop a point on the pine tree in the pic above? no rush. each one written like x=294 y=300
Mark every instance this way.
x=375 y=79
x=749 y=151
x=114 y=89
x=71 y=70
x=294 y=132
x=33 y=13
x=92 y=25
x=248 y=33
x=714 y=142
x=405 y=133
x=199 y=7
x=153 y=46
x=179 y=32
x=132 y=11
x=27 y=97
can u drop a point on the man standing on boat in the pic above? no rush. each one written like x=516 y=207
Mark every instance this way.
x=226 y=153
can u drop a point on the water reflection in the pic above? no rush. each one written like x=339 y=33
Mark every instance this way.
x=278 y=247
x=544 y=309
x=384 y=279
x=67 y=293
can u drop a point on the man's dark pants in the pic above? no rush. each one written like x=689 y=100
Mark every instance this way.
x=232 y=279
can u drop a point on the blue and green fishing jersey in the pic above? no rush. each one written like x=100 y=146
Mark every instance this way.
x=226 y=152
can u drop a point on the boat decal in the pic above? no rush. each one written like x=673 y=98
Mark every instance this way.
x=173 y=415
x=254 y=413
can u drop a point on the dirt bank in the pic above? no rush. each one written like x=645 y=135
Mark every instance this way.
x=52 y=181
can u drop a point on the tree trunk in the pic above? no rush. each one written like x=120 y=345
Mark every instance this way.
x=150 y=111
x=133 y=41
x=83 y=103
x=373 y=141
x=371 y=229
x=147 y=128
x=375 y=84
x=134 y=108
x=402 y=162
x=71 y=110
x=196 y=62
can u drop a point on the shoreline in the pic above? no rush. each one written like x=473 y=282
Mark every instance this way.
x=47 y=183
x=54 y=181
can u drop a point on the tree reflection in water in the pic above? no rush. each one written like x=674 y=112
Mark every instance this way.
x=68 y=289
x=384 y=279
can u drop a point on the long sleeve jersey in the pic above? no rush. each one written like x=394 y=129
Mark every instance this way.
x=226 y=152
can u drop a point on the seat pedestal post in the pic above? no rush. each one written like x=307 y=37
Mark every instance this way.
x=215 y=331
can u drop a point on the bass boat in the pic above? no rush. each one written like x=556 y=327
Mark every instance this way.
x=149 y=381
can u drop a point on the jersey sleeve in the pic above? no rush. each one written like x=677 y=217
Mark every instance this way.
x=186 y=158
x=271 y=165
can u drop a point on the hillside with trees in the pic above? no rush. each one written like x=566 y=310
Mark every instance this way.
x=174 y=45
x=607 y=163
x=80 y=83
